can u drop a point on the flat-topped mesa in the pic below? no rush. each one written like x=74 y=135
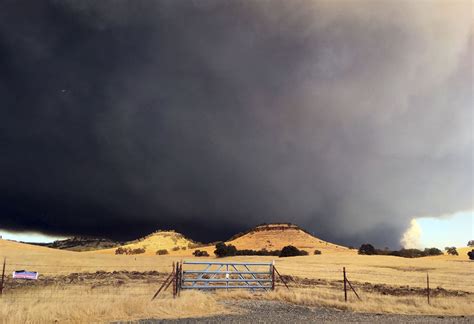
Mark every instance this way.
x=278 y=235
x=276 y=227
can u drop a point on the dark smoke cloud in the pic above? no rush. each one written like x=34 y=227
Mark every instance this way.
x=121 y=117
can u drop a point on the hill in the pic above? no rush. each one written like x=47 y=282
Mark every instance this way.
x=80 y=244
x=278 y=235
x=171 y=241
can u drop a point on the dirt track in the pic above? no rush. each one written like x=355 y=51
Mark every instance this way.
x=278 y=312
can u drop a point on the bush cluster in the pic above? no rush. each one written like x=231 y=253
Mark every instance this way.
x=290 y=250
x=368 y=249
x=129 y=251
x=162 y=252
x=258 y=252
x=224 y=250
x=471 y=255
x=199 y=253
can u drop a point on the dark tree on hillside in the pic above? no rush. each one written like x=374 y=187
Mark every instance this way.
x=470 y=243
x=471 y=255
x=451 y=250
x=223 y=250
x=367 y=249
x=290 y=250
x=433 y=251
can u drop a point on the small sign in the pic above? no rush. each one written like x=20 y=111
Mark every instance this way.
x=23 y=274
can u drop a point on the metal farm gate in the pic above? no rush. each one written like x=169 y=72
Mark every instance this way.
x=221 y=275
x=228 y=275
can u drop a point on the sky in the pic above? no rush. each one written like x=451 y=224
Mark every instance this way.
x=210 y=117
x=451 y=230
x=454 y=230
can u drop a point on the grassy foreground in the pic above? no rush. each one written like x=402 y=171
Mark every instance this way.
x=386 y=285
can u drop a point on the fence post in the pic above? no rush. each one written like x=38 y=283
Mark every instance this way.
x=428 y=287
x=178 y=279
x=174 y=280
x=345 y=283
x=273 y=274
x=3 y=276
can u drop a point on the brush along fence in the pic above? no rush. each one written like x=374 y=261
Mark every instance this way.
x=221 y=275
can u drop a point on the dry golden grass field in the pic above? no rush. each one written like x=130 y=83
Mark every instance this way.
x=86 y=287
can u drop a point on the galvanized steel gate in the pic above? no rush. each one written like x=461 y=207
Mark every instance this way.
x=221 y=275
x=228 y=275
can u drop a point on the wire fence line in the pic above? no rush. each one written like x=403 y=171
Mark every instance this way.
x=109 y=288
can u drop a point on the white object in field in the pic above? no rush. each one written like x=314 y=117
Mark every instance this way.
x=23 y=274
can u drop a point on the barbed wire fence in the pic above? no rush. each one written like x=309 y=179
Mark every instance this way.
x=109 y=280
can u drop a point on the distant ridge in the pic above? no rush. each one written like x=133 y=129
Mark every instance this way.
x=80 y=243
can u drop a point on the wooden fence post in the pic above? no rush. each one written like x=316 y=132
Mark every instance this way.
x=345 y=283
x=174 y=280
x=3 y=276
x=428 y=287
x=273 y=274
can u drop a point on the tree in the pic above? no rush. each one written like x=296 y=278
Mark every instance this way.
x=199 y=253
x=290 y=250
x=471 y=255
x=451 y=250
x=162 y=252
x=433 y=251
x=317 y=252
x=367 y=249
x=223 y=250
x=470 y=243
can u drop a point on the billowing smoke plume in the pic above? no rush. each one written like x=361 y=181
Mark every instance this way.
x=121 y=117
x=411 y=239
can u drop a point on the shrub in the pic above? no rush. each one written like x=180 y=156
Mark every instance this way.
x=471 y=255
x=129 y=251
x=199 y=253
x=162 y=252
x=367 y=249
x=122 y=250
x=290 y=250
x=176 y=248
x=258 y=252
x=317 y=252
x=451 y=250
x=183 y=248
x=223 y=250
x=433 y=251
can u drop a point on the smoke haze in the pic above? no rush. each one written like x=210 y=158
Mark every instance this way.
x=208 y=117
